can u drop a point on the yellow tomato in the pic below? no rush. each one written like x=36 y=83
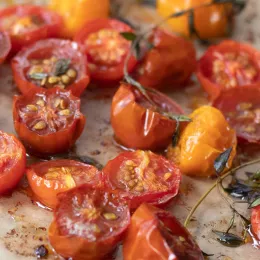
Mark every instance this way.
x=210 y=22
x=77 y=12
x=202 y=141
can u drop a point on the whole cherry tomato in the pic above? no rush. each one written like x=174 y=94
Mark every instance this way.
x=203 y=140
x=255 y=221
x=12 y=161
x=48 y=121
x=137 y=124
x=169 y=63
x=155 y=234
x=51 y=63
x=227 y=65
x=209 y=22
x=27 y=24
x=106 y=49
x=49 y=178
x=143 y=176
x=5 y=46
x=88 y=223
x=241 y=108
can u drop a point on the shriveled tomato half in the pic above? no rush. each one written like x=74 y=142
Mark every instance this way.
x=12 y=161
x=137 y=124
x=49 y=178
x=5 y=46
x=255 y=221
x=48 y=121
x=88 y=223
x=106 y=49
x=156 y=234
x=143 y=176
x=51 y=63
x=228 y=65
x=241 y=107
x=169 y=63
x=27 y=24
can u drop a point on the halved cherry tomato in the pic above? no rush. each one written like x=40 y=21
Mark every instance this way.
x=5 y=46
x=51 y=63
x=12 y=161
x=143 y=176
x=106 y=49
x=136 y=123
x=255 y=221
x=48 y=121
x=27 y=24
x=88 y=223
x=241 y=107
x=169 y=63
x=47 y=179
x=157 y=235
x=228 y=65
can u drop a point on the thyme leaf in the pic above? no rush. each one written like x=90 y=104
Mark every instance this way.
x=221 y=161
x=130 y=36
x=228 y=239
x=38 y=75
x=176 y=135
x=255 y=203
x=61 y=66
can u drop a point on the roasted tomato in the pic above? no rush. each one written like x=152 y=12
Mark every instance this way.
x=12 y=162
x=106 y=49
x=255 y=221
x=5 y=46
x=27 y=24
x=203 y=140
x=169 y=63
x=209 y=22
x=137 y=124
x=49 y=178
x=88 y=223
x=143 y=176
x=241 y=108
x=227 y=65
x=48 y=121
x=157 y=235
x=51 y=63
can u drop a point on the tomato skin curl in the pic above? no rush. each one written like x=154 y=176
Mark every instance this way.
x=203 y=140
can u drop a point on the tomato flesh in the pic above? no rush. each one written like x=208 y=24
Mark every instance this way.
x=47 y=179
x=5 y=46
x=143 y=177
x=255 y=221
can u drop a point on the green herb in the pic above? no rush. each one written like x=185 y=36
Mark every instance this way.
x=228 y=239
x=129 y=36
x=38 y=75
x=61 y=67
x=221 y=161
x=176 y=135
x=255 y=203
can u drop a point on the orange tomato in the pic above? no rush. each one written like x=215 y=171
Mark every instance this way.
x=210 y=22
x=203 y=140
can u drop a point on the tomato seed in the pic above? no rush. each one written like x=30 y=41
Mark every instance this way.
x=167 y=175
x=96 y=228
x=63 y=104
x=110 y=216
x=64 y=112
x=53 y=80
x=32 y=108
x=131 y=183
x=71 y=73
x=244 y=106
x=40 y=125
x=65 y=79
x=182 y=239
x=127 y=178
x=57 y=102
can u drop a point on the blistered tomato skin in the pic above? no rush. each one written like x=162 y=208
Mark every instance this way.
x=12 y=162
x=135 y=122
x=255 y=221
x=49 y=178
x=202 y=140
x=5 y=46
x=143 y=176
x=88 y=223
x=169 y=64
x=49 y=121
x=157 y=235
x=229 y=64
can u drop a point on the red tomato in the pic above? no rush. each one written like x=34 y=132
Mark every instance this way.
x=106 y=49
x=255 y=221
x=241 y=108
x=143 y=176
x=88 y=223
x=169 y=63
x=155 y=234
x=27 y=24
x=227 y=65
x=136 y=123
x=49 y=178
x=51 y=63
x=5 y=46
x=12 y=161
x=48 y=121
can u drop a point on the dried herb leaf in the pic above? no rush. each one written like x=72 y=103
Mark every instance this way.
x=61 y=66
x=38 y=75
x=228 y=239
x=255 y=203
x=205 y=254
x=130 y=36
x=176 y=135
x=221 y=161
x=137 y=51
